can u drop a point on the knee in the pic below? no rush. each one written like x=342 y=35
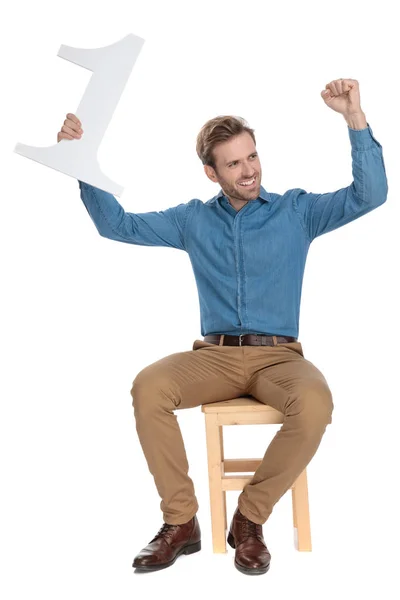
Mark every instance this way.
x=314 y=404
x=141 y=380
x=149 y=392
x=140 y=389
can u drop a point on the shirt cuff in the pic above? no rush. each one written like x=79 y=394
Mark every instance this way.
x=362 y=139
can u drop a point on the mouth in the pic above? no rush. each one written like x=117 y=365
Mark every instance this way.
x=248 y=183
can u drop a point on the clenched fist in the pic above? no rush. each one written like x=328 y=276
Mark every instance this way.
x=72 y=128
x=343 y=96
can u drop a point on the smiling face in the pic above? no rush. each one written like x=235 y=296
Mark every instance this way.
x=237 y=169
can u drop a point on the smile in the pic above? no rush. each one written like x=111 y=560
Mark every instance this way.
x=248 y=182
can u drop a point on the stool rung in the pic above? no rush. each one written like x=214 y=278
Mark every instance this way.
x=234 y=482
x=240 y=465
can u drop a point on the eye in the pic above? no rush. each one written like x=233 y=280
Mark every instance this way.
x=233 y=163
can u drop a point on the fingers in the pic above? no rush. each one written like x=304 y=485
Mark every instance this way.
x=333 y=88
x=340 y=86
x=64 y=136
x=71 y=129
x=72 y=125
x=73 y=118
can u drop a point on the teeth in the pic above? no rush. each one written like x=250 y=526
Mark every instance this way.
x=249 y=182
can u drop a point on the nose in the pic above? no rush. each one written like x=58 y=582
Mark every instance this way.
x=248 y=171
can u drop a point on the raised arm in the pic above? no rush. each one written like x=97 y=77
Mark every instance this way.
x=162 y=228
x=320 y=213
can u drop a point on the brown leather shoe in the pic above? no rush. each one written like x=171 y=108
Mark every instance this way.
x=251 y=556
x=170 y=542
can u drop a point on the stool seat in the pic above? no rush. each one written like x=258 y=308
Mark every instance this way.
x=245 y=410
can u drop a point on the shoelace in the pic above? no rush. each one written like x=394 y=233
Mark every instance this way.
x=166 y=528
x=249 y=528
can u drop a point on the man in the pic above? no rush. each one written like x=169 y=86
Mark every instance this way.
x=248 y=249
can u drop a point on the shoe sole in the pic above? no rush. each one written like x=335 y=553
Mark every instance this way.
x=247 y=570
x=191 y=549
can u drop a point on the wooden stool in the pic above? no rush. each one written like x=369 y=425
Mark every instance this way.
x=245 y=411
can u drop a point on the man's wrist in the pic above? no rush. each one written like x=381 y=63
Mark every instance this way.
x=356 y=120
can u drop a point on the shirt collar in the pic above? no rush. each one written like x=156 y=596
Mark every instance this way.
x=264 y=195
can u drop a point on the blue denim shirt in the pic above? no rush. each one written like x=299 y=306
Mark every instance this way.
x=249 y=264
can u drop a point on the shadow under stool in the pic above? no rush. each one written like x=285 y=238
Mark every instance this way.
x=245 y=410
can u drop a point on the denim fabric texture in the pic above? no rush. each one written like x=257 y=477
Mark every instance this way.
x=249 y=264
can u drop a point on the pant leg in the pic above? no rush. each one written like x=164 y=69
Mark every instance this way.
x=281 y=377
x=208 y=373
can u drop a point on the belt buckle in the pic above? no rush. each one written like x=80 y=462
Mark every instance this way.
x=240 y=338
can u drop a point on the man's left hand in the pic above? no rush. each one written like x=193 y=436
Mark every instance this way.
x=343 y=96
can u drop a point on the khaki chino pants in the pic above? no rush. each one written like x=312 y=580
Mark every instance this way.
x=276 y=375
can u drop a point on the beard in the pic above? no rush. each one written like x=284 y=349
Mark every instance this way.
x=234 y=190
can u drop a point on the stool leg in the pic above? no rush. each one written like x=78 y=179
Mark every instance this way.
x=301 y=513
x=217 y=495
x=221 y=445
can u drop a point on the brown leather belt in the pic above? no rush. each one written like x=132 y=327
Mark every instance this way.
x=248 y=339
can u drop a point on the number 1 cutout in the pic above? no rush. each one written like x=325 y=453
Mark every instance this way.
x=111 y=66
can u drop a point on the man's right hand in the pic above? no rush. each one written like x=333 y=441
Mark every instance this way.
x=72 y=129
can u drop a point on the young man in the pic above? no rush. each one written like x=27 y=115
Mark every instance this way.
x=248 y=249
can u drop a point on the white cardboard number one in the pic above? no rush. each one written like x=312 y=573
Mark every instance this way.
x=111 y=66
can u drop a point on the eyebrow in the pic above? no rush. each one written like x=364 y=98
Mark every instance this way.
x=237 y=160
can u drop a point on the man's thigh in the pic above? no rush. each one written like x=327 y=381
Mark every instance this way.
x=208 y=373
x=289 y=381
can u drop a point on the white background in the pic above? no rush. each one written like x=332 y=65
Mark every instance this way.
x=82 y=315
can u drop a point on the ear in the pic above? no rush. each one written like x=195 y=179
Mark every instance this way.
x=209 y=171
